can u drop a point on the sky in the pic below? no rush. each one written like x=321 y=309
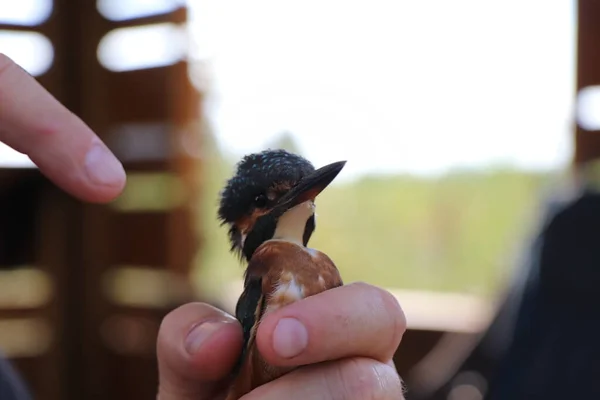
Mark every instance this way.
x=391 y=86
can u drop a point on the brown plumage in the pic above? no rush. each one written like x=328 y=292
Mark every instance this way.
x=271 y=229
x=288 y=272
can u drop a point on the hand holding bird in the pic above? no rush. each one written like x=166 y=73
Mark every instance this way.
x=341 y=345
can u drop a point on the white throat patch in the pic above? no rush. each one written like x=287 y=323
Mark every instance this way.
x=291 y=224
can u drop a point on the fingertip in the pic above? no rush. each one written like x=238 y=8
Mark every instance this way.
x=102 y=168
x=264 y=339
x=220 y=349
x=280 y=340
x=96 y=177
x=197 y=342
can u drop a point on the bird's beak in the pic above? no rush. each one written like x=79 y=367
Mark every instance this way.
x=310 y=186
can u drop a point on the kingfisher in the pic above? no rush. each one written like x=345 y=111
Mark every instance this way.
x=269 y=208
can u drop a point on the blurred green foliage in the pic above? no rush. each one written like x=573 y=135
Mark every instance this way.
x=459 y=232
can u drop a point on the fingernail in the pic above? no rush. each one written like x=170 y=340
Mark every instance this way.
x=199 y=334
x=290 y=338
x=102 y=166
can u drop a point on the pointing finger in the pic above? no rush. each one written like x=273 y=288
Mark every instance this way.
x=356 y=320
x=60 y=144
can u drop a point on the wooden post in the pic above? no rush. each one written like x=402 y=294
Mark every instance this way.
x=587 y=143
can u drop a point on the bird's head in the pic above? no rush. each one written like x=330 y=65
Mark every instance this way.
x=266 y=187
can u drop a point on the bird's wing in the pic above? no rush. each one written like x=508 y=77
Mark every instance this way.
x=248 y=310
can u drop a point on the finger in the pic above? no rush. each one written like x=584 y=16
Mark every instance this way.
x=353 y=320
x=197 y=348
x=349 y=379
x=60 y=144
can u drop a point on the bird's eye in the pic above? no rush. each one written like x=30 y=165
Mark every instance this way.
x=260 y=201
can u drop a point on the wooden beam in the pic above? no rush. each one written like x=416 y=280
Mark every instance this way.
x=587 y=143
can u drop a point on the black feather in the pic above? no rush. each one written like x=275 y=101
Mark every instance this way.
x=246 y=310
x=255 y=173
x=263 y=230
x=308 y=229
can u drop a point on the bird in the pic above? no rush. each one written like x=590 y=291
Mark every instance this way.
x=269 y=208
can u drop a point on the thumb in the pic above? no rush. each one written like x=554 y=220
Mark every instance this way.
x=197 y=348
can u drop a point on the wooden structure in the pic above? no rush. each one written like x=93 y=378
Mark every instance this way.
x=587 y=141
x=83 y=288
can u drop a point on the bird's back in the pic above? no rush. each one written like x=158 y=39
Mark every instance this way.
x=291 y=272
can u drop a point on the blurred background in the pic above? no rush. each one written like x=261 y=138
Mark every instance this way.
x=458 y=120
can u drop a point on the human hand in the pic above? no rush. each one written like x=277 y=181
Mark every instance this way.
x=58 y=142
x=352 y=333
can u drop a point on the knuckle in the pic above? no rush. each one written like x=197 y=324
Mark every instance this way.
x=394 y=312
x=6 y=64
x=162 y=338
x=388 y=304
x=362 y=286
x=386 y=309
x=168 y=327
x=4 y=60
x=366 y=379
